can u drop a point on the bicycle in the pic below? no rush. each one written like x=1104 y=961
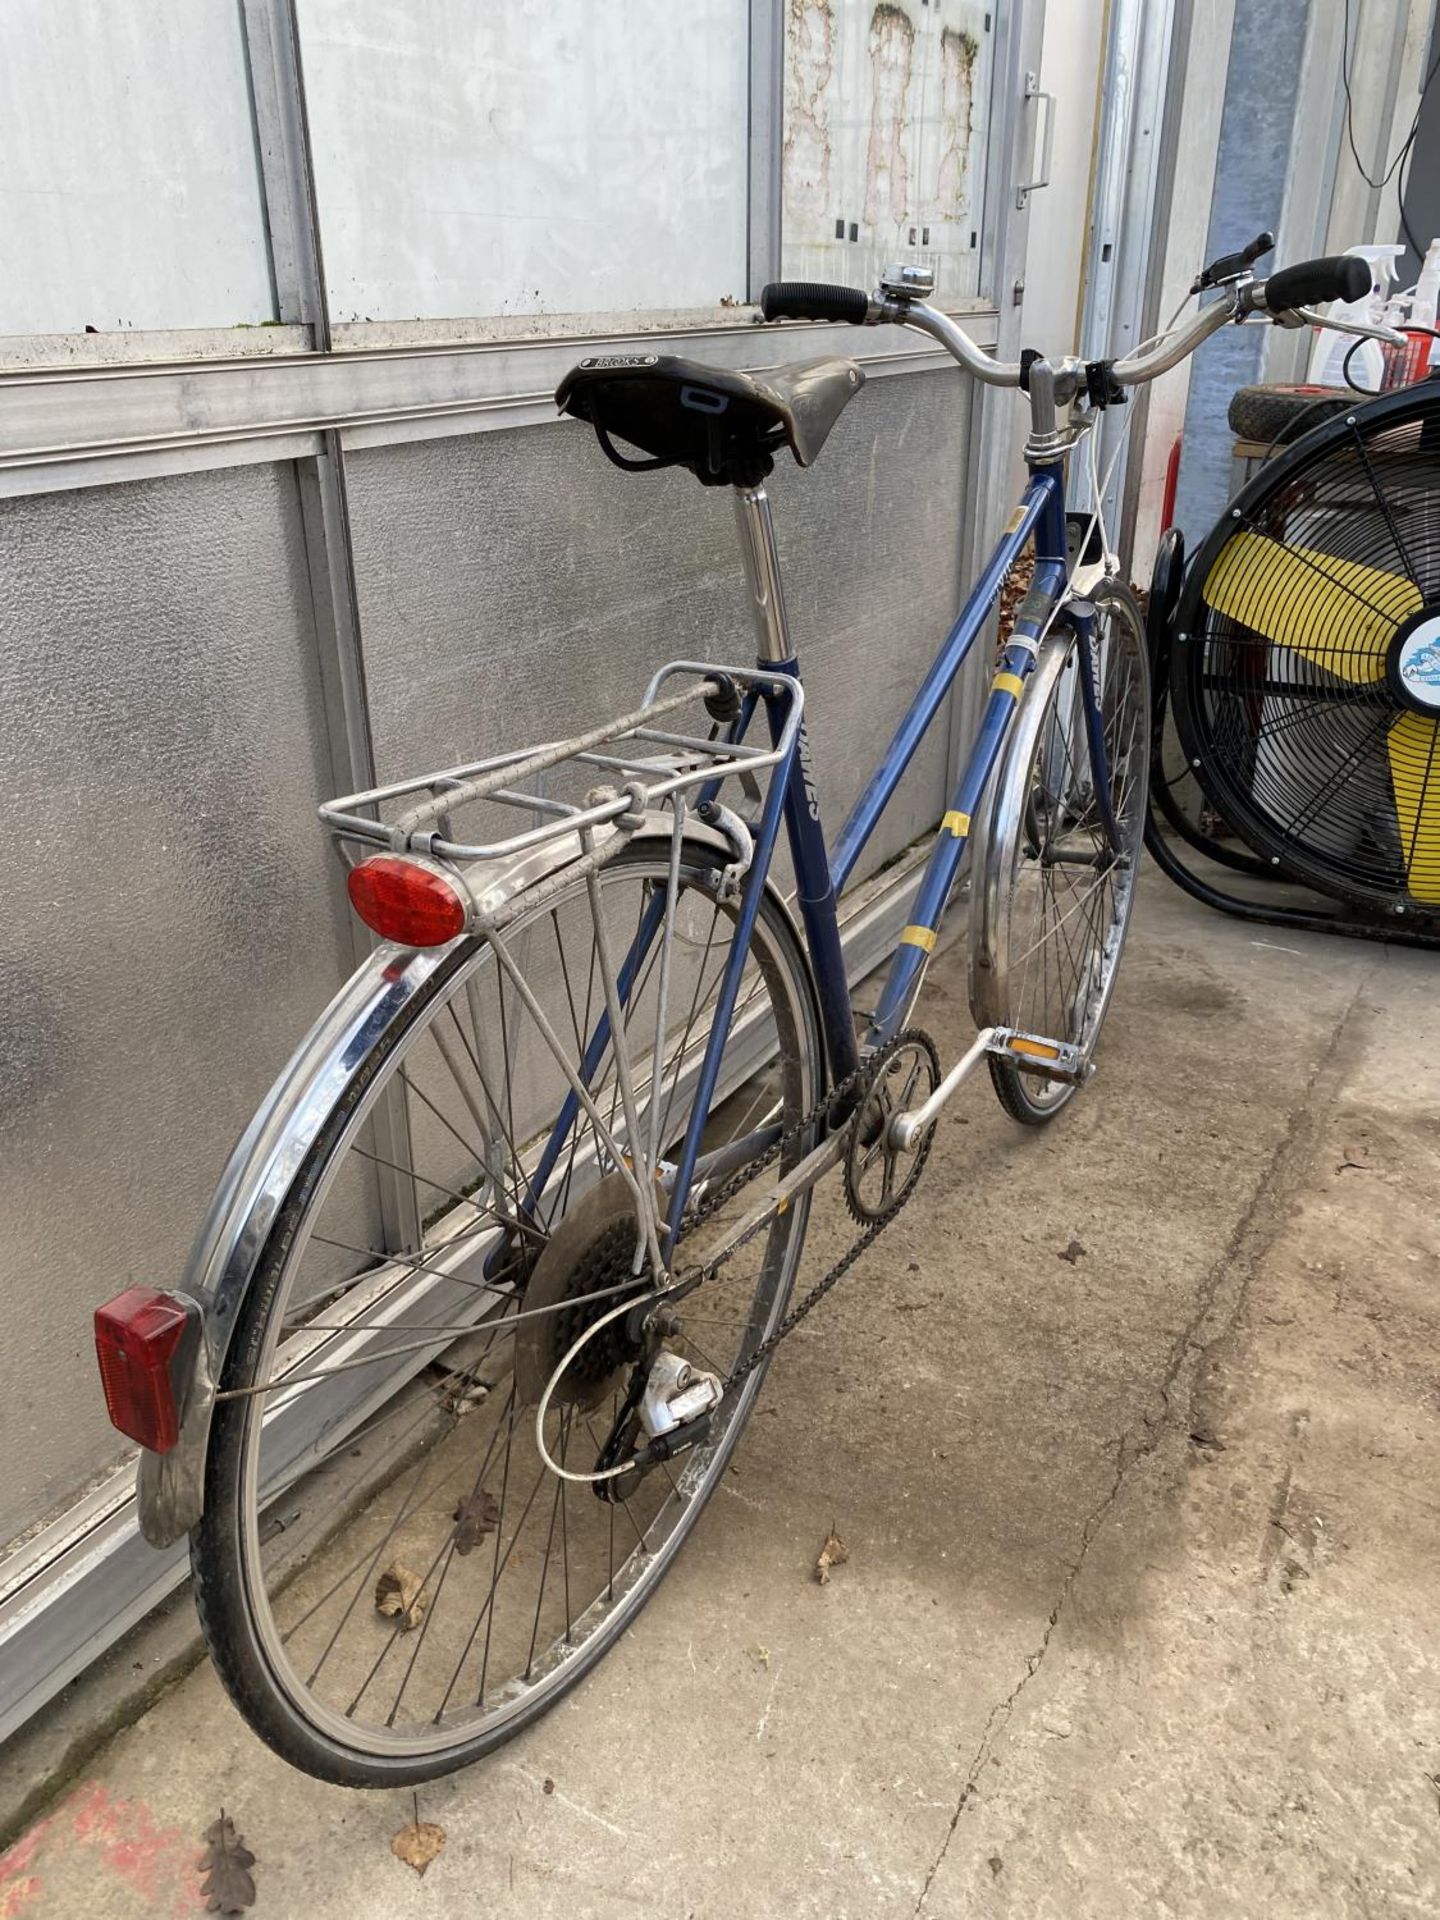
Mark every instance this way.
x=563 y=1128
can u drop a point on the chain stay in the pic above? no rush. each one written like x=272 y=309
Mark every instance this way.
x=744 y=1175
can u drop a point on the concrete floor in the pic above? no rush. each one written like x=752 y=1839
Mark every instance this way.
x=1139 y=1616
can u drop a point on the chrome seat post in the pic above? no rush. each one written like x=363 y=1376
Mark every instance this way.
x=762 y=572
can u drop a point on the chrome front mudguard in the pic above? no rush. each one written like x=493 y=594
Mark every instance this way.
x=273 y=1148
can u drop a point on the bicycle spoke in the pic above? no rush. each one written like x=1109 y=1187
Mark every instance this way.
x=464 y=1580
x=1066 y=891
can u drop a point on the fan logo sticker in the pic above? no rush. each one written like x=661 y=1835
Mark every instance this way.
x=1419 y=663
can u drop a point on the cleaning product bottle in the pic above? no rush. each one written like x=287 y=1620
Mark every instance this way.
x=1427 y=299
x=1367 y=369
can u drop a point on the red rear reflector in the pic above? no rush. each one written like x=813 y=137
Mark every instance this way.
x=137 y=1337
x=403 y=901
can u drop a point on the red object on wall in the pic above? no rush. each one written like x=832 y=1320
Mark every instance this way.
x=1172 y=481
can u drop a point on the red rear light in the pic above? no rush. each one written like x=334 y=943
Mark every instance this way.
x=138 y=1338
x=404 y=901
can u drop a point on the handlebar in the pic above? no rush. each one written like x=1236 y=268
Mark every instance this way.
x=1340 y=277
x=1286 y=294
x=810 y=300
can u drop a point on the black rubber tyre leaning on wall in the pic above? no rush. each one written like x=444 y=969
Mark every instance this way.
x=1276 y=415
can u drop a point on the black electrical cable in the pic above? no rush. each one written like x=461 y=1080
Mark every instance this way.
x=1402 y=187
x=1371 y=392
x=1409 y=141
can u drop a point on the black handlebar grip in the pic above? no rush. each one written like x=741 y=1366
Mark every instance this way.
x=1341 y=277
x=803 y=300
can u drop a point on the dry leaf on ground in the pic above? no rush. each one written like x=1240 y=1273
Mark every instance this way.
x=834 y=1553
x=418 y=1843
x=398 y=1596
x=1357 y=1157
x=1072 y=1253
x=474 y=1518
x=225 y=1868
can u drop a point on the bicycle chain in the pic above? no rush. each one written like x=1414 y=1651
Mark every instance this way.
x=744 y=1175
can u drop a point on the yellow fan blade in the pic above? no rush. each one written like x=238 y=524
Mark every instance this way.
x=1415 y=770
x=1337 y=613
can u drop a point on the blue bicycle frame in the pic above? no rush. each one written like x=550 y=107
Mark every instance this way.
x=821 y=871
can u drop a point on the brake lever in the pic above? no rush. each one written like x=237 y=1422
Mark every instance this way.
x=1309 y=317
x=1231 y=267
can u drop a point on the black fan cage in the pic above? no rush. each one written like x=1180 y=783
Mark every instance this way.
x=1285 y=671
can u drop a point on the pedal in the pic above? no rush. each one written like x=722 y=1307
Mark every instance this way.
x=1052 y=1059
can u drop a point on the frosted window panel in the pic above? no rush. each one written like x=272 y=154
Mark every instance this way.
x=886 y=115
x=542 y=157
x=129 y=184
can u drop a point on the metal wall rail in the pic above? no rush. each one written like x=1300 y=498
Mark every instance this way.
x=87 y=426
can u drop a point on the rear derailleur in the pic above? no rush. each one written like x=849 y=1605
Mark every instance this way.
x=668 y=1407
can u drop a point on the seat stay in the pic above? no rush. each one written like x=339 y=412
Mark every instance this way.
x=652 y=926
x=818 y=900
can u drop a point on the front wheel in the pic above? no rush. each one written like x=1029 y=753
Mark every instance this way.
x=390 y=1593
x=1051 y=898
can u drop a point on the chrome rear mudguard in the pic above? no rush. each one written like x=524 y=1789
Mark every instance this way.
x=270 y=1153
x=251 y=1192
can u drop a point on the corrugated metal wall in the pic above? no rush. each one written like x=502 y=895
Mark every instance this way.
x=170 y=917
x=516 y=583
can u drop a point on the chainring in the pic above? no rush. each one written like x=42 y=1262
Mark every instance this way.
x=879 y=1179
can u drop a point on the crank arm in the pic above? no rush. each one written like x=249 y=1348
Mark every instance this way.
x=1055 y=1059
x=906 y=1128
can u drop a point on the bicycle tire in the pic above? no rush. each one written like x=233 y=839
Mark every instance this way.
x=223 y=1546
x=1004 y=988
x=1276 y=415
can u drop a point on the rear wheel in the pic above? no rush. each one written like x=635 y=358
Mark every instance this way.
x=383 y=1621
x=1051 y=900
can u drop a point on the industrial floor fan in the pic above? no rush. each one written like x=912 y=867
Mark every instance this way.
x=1297 y=682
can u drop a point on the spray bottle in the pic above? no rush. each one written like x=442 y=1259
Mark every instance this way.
x=1427 y=299
x=1367 y=369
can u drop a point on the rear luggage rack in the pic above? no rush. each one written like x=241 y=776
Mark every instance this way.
x=639 y=783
